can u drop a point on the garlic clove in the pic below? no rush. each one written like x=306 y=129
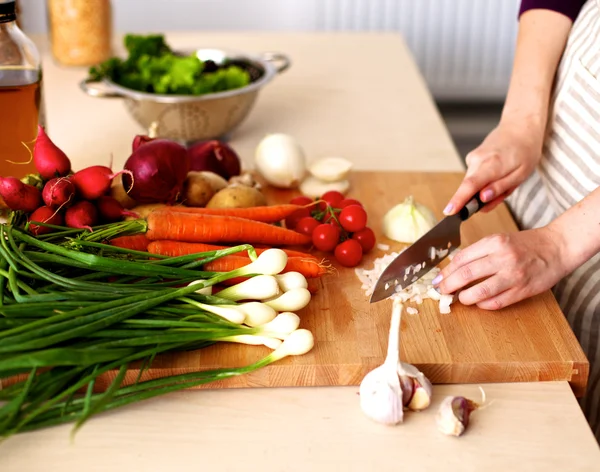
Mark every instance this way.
x=421 y=398
x=408 y=388
x=330 y=169
x=453 y=415
x=314 y=188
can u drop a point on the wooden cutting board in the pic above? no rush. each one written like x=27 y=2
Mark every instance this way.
x=530 y=341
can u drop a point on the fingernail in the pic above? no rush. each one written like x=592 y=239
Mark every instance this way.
x=487 y=195
x=448 y=208
x=437 y=279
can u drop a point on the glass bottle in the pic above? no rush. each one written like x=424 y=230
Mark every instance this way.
x=20 y=95
x=80 y=31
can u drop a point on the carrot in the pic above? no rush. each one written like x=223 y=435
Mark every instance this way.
x=265 y=214
x=136 y=242
x=309 y=268
x=313 y=285
x=199 y=228
x=170 y=248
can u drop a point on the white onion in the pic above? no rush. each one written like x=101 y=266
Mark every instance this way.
x=280 y=160
x=330 y=169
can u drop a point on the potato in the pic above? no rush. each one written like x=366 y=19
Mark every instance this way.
x=144 y=210
x=216 y=181
x=117 y=191
x=237 y=197
x=197 y=189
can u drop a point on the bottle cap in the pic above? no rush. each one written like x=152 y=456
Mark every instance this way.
x=7 y=11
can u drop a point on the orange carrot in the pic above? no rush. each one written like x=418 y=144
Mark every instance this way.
x=136 y=242
x=266 y=214
x=199 y=228
x=170 y=248
x=313 y=285
x=307 y=267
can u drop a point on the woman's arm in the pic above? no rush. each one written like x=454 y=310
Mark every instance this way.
x=579 y=228
x=511 y=151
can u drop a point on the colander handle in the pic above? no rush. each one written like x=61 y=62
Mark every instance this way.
x=93 y=91
x=279 y=60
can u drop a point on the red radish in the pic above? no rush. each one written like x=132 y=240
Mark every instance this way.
x=94 y=181
x=59 y=192
x=49 y=160
x=215 y=156
x=139 y=140
x=158 y=170
x=81 y=215
x=111 y=210
x=19 y=196
x=45 y=214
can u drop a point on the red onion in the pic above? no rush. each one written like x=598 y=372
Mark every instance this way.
x=139 y=140
x=159 y=168
x=215 y=156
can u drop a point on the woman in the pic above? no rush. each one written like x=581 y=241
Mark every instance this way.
x=544 y=159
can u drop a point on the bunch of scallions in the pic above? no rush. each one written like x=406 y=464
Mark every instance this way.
x=73 y=308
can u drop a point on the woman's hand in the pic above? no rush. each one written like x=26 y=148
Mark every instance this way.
x=503 y=161
x=506 y=268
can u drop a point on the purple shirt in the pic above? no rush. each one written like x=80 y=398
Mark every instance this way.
x=570 y=8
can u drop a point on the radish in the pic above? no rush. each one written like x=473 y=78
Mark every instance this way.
x=59 y=192
x=19 y=196
x=158 y=170
x=49 y=160
x=111 y=210
x=81 y=215
x=94 y=181
x=45 y=214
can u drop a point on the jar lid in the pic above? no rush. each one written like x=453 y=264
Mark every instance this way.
x=7 y=11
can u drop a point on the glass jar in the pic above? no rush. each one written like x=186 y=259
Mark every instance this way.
x=80 y=31
x=20 y=95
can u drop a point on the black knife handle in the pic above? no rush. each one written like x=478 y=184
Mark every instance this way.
x=474 y=205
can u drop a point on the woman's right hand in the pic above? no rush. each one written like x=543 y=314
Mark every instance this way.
x=504 y=160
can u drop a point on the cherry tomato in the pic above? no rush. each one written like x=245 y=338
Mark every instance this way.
x=307 y=225
x=349 y=253
x=292 y=220
x=325 y=237
x=333 y=198
x=349 y=201
x=301 y=200
x=353 y=218
x=366 y=239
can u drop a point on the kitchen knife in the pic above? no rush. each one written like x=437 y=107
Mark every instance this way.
x=444 y=235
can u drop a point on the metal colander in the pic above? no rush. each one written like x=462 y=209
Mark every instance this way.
x=188 y=118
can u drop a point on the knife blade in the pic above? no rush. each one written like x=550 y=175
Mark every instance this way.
x=424 y=254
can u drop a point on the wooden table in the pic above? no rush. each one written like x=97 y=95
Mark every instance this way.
x=333 y=105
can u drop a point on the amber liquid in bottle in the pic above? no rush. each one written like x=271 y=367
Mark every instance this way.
x=20 y=98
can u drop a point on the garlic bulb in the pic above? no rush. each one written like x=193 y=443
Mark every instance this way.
x=280 y=160
x=408 y=221
x=388 y=389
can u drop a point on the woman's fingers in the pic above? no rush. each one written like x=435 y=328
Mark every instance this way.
x=483 y=169
x=503 y=185
x=504 y=299
x=497 y=201
x=486 y=291
x=467 y=274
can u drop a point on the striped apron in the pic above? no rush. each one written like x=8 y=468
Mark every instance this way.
x=568 y=171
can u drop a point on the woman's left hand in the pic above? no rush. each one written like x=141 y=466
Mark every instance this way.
x=505 y=268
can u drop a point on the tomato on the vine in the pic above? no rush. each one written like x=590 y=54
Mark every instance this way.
x=292 y=220
x=333 y=198
x=366 y=239
x=301 y=200
x=349 y=253
x=347 y=202
x=325 y=237
x=307 y=225
x=353 y=218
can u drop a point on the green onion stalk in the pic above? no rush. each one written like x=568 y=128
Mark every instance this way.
x=73 y=308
